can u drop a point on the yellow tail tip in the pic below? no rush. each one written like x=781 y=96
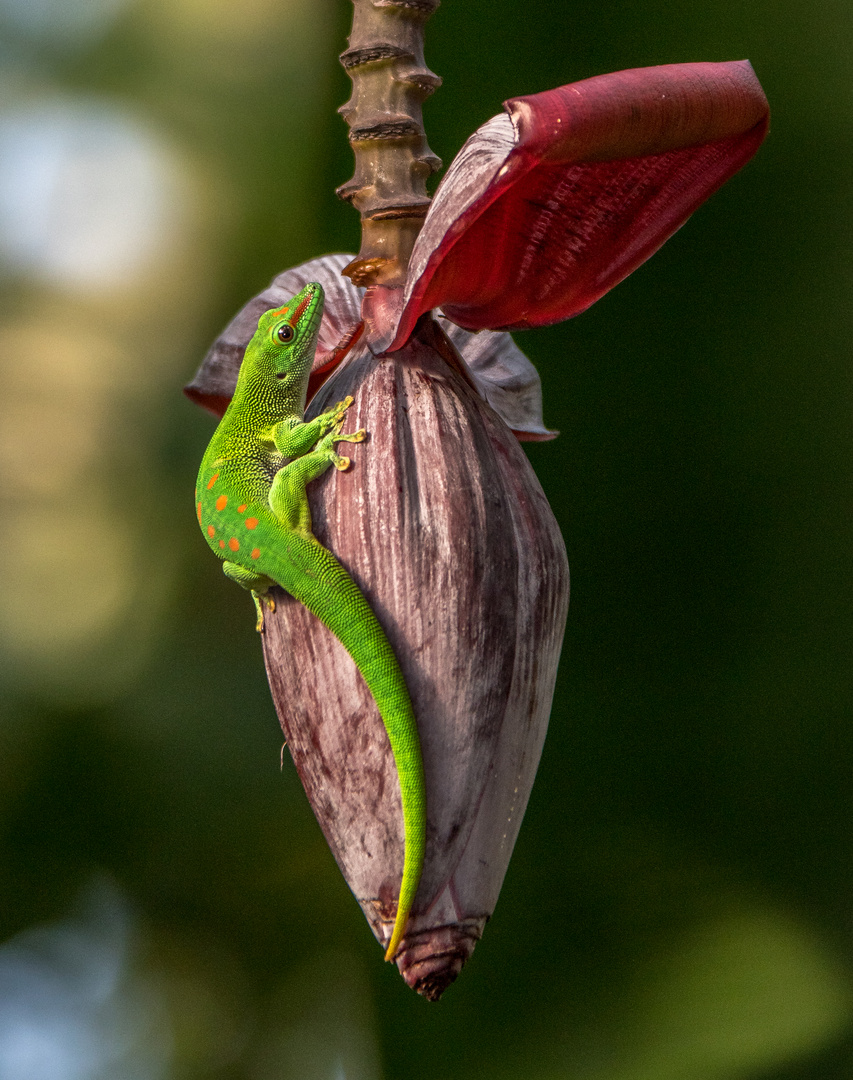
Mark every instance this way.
x=396 y=935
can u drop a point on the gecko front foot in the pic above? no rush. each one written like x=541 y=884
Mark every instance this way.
x=334 y=417
x=327 y=445
x=341 y=407
x=342 y=463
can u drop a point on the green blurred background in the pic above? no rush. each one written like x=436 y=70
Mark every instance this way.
x=680 y=902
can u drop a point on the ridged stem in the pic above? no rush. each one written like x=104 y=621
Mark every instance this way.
x=390 y=81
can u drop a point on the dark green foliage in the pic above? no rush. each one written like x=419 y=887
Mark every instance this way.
x=678 y=906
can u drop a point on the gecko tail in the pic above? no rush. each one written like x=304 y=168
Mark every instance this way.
x=327 y=590
x=397 y=934
x=414 y=816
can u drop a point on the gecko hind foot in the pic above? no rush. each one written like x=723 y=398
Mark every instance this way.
x=259 y=608
x=260 y=626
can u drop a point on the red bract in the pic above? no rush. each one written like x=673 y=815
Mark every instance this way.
x=498 y=369
x=554 y=202
x=545 y=208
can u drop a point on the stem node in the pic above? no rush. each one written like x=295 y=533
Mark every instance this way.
x=392 y=158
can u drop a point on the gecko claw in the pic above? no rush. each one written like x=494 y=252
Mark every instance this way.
x=341 y=463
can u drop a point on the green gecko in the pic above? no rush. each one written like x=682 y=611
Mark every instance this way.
x=253 y=509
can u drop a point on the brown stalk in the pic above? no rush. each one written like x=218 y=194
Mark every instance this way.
x=390 y=81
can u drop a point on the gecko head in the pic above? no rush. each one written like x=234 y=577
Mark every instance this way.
x=283 y=345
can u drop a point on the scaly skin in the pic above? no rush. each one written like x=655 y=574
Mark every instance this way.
x=252 y=507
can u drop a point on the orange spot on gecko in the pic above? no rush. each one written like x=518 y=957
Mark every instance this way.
x=222 y=543
x=300 y=307
x=221 y=502
x=241 y=509
x=198 y=513
x=233 y=543
x=251 y=523
x=212 y=480
x=211 y=532
x=255 y=552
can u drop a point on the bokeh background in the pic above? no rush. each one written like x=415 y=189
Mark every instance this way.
x=680 y=903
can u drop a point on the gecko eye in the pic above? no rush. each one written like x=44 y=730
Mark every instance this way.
x=285 y=333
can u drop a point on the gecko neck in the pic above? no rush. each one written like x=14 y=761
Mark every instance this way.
x=270 y=401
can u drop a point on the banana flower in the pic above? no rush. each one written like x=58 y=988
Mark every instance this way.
x=441 y=520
